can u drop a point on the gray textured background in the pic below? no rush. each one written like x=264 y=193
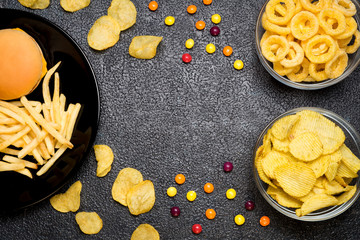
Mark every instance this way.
x=164 y=117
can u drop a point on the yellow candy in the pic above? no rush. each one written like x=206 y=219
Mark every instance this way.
x=216 y=18
x=171 y=191
x=230 y=193
x=239 y=219
x=189 y=43
x=191 y=196
x=170 y=20
x=238 y=64
x=210 y=48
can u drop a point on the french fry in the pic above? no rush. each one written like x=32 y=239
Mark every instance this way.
x=52 y=160
x=45 y=85
x=8 y=121
x=10 y=151
x=72 y=121
x=56 y=99
x=12 y=129
x=14 y=138
x=25 y=172
x=11 y=159
x=31 y=147
x=12 y=114
x=11 y=166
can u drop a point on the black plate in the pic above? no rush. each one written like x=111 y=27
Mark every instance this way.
x=79 y=85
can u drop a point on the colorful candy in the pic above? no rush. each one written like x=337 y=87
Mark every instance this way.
x=264 y=221
x=196 y=228
x=207 y=2
x=250 y=205
x=153 y=5
x=191 y=196
x=231 y=193
x=239 y=219
x=169 y=20
x=214 y=31
x=200 y=25
x=189 y=43
x=186 y=58
x=191 y=9
x=210 y=48
x=210 y=213
x=180 y=179
x=228 y=167
x=171 y=191
x=175 y=211
x=208 y=188
x=238 y=64
x=227 y=51
x=216 y=18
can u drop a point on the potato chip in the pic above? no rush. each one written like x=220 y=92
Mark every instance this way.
x=89 y=222
x=346 y=196
x=297 y=179
x=306 y=147
x=104 y=33
x=126 y=179
x=282 y=127
x=261 y=172
x=283 y=198
x=320 y=165
x=271 y=161
x=68 y=201
x=349 y=159
x=344 y=171
x=335 y=159
x=278 y=145
x=124 y=11
x=144 y=47
x=74 y=5
x=145 y=232
x=105 y=157
x=333 y=188
x=141 y=198
x=35 y=4
x=340 y=180
x=316 y=202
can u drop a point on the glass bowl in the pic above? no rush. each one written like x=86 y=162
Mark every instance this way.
x=353 y=62
x=352 y=141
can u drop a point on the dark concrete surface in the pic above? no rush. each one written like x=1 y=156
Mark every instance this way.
x=164 y=117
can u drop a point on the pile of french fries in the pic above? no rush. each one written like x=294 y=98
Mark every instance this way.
x=40 y=130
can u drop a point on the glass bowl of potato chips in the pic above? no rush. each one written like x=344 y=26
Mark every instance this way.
x=306 y=164
x=309 y=44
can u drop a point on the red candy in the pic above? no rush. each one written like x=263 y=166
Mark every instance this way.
x=186 y=58
x=196 y=228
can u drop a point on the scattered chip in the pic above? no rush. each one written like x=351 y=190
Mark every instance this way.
x=35 y=4
x=124 y=12
x=89 y=222
x=144 y=47
x=105 y=157
x=104 y=33
x=126 y=179
x=145 y=232
x=141 y=198
x=74 y=5
x=68 y=201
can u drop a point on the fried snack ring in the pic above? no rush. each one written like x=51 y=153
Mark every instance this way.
x=343 y=43
x=281 y=51
x=353 y=48
x=351 y=27
x=313 y=7
x=325 y=57
x=280 y=11
x=298 y=6
x=281 y=70
x=299 y=27
x=317 y=71
x=347 y=7
x=300 y=72
x=265 y=36
x=320 y=50
x=337 y=65
x=267 y=25
x=332 y=27
x=295 y=60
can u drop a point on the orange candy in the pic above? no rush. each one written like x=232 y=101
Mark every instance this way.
x=207 y=2
x=208 y=188
x=200 y=25
x=191 y=9
x=264 y=221
x=227 y=51
x=180 y=179
x=153 y=5
x=210 y=213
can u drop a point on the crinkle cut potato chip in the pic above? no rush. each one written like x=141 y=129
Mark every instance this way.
x=89 y=222
x=105 y=157
x=35 y=4
x=283 y=198
x=144 y=47
x=271 y=161
x=316 y=202
x=306 y=147
x=141 y=198
x=104 y=33
x=124 y=11
x=74 y=5
x=68 y=201
x=145 y=232
x=126 y=179
x=282 y=127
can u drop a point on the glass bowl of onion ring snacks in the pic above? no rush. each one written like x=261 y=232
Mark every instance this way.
x=309 y=44
x=306 y=164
